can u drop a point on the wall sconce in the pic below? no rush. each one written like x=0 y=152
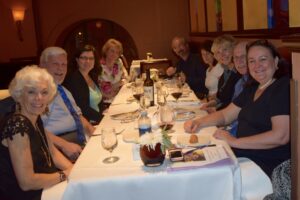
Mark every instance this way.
x=18 y=15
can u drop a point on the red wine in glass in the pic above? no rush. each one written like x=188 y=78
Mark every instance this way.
x=166 y=127
x=176 y=95
x=137 y=96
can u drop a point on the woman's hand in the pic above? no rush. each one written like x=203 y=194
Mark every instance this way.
x=71 y=150
x=68 y=171
x=222 y=134
x=192 y=126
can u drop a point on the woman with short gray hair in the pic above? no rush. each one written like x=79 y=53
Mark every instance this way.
x=29 y=160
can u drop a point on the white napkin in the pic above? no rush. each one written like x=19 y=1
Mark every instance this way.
x=117 y=109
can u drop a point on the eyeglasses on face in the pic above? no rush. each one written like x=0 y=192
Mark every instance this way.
x=86 y=58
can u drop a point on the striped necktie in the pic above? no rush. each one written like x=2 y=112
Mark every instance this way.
x=79 y=127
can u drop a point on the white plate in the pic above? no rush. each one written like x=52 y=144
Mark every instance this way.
x=184 y=140
x=131 y=137
x=183 y=115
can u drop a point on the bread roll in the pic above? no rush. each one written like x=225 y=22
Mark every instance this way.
x=193 y=139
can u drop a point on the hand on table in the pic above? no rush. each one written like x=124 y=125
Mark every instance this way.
x=222 y=134
x=68 y=171
x=71 y=150
x=191 y=126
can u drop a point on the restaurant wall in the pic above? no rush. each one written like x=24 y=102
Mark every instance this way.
x=10 y=46
x=152 y=24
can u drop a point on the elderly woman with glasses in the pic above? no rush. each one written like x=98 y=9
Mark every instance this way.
x=29 y=162
x=83 y=83
x=222 y=48
x=262 y=110
x=113 y=72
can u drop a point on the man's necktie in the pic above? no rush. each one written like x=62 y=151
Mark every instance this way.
x=80 y=130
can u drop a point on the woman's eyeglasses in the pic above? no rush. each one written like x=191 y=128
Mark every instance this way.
x=86 y=58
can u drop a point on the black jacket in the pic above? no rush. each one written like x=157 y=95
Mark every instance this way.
x=79 y=88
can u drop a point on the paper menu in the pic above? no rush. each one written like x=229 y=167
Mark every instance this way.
x=206 y=157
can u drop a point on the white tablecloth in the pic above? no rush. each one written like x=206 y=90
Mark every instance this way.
x=129 y=179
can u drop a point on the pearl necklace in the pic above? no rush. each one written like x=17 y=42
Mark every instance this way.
x=269 y=82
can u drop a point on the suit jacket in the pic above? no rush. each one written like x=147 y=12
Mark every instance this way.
x=226 y=89
x=79 y=88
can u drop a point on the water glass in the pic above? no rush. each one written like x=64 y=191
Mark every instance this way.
x=109 y=142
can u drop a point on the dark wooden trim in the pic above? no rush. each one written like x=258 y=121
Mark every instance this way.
x=37 y=26
x=189 y=12
x=275 y=33
x=240 y=15
x=294 y=138
x=205 y=14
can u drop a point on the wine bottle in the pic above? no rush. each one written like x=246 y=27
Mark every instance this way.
x=149 y=88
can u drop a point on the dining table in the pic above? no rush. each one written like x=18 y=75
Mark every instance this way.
x=129 y=179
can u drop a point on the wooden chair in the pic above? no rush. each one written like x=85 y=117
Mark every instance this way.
x=125 y=63
x=161 y=65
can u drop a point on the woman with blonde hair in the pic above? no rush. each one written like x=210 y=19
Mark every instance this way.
x=29 y=162
x=113 y=72
x=222 y=48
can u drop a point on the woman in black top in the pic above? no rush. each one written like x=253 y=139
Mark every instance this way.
x=29 y=161
x=83 y=83
x=262 y=110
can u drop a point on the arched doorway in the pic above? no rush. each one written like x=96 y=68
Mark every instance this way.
x=96 y=32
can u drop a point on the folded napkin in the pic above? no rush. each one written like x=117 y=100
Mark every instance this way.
x=122 y=108
x=184 y=102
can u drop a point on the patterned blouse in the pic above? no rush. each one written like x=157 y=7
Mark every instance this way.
x=110 y=80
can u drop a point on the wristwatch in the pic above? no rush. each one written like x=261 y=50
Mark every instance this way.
x=62 y=176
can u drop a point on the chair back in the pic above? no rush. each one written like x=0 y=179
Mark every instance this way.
x=125 y=63
x=160 y=65
x=7 y=105
x=4 y=93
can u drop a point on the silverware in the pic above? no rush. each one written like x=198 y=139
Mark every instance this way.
x=198 y=147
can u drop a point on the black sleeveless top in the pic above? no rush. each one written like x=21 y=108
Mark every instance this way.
x=19 y=124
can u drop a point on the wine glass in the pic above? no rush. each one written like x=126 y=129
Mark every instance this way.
x=144 y=102
x=176 y=92
x=179 y=79
x=161 y=97
x=166 y=117
x=137 y=92
x=109 y=142
x=138 y=82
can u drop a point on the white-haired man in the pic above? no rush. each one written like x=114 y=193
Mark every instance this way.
x=64 y=118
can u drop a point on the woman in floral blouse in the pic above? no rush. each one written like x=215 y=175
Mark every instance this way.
x=113 y=71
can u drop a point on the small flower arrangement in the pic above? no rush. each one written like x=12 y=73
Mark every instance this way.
x=106 y=86
x=153 y=138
